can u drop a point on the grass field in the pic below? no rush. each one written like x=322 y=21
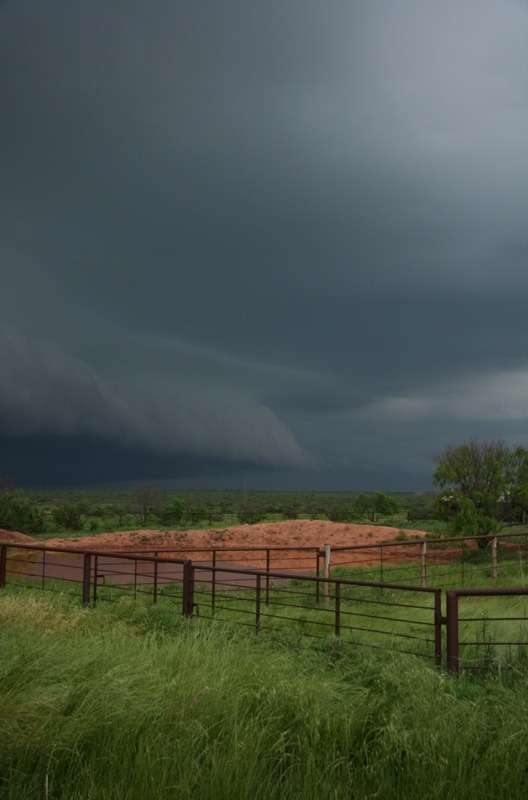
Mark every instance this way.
x=124 y=702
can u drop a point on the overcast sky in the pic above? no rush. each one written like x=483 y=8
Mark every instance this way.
x=282 y=243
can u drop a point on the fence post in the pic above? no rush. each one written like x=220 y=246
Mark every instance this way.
x=452 y=631
x=494 y=558
x=326 y=574
x=438 y=627
x=87 y=575
x=155 y=597
x=257 y=606
x=423 y=565
x=267 y=575
x=213 y=584
x=188 y=588
x=337 y=586
x=3 y=565
x=317 y=573
x=96 y=567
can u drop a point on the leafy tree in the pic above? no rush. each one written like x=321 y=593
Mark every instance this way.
x=195 y=514
x=343 y=513
x=249 y=516
x=374 y=506
x=172 y=513
x=70 y=516
x=18 y=514
x=484 y=487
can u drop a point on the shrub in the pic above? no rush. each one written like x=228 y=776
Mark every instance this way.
x=70 y=516
x=172 y=513
x=249 y=516
x=18 y=514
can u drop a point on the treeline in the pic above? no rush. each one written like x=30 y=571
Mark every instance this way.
x=146 y=506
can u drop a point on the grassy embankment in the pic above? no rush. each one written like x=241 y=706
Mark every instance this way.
x=133 y=702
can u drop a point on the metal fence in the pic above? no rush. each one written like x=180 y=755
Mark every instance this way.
x=443 y=563
x=481 y=638
x=367 y=613
x=89 y=575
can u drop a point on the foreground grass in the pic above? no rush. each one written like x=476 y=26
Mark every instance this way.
x=132 y=702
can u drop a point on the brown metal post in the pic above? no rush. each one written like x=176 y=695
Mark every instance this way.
x=494 y=558
x=452 y=631
x=337 y=608
x=155 y=598
x=43 y=569
x=423 y=565
x=267 y=575
x=317 y=557
x=326 y=575
x=87 y=574
x=381 y=563
x=438 y=627
x=213 y=583
x=188 y=588
x=96 y=567
x=257 y=606
x=3 y=565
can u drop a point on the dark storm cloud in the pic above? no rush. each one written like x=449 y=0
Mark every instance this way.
x=300 y=225
x=45 y=391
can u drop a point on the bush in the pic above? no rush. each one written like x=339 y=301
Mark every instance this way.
x=345 y=513
x=18 y=514
x=423 y=513
x=249 y=516
x=172 y=513
x=70 y=516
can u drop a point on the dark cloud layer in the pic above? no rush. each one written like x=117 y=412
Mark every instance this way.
x=285 y=237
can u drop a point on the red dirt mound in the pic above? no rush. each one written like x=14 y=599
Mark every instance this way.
x=197 y=544
x=15 y=536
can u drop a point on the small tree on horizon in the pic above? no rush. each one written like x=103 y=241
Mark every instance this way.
x=144 y=501
x=374 y=506
x=484 y=487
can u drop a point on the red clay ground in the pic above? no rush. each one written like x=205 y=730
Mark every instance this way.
x=197 y=544
x=15 y=536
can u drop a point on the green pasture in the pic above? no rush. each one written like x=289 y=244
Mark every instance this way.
x=126 y=701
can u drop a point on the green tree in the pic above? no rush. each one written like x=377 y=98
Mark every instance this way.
x=374 y=506
x=172 y=513
x=18 y=514
x=70 y=516
x=484 y=487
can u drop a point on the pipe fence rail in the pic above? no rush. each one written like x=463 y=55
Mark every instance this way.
x=368 y=613
x=443 y=563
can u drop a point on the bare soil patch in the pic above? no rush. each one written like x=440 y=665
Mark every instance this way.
x=198 y=544
x=15 y=536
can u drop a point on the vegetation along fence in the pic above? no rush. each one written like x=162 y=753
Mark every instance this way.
x=491 y=628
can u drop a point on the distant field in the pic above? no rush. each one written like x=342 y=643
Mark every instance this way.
x=113 y=510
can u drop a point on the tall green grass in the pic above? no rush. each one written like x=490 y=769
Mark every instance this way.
x=127 y=701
